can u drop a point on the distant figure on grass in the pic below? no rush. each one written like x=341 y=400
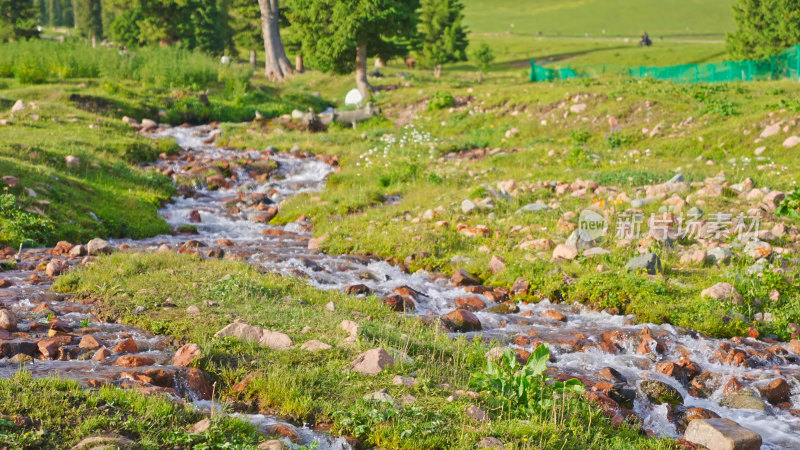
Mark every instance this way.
x=646 y=41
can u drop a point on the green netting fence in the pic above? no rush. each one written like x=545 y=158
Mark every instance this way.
x=785 y=65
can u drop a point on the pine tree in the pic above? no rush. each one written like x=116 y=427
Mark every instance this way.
x=766 y=27
x=442 y=37
x=19 y=19
x=245 y=23
x=44 y=13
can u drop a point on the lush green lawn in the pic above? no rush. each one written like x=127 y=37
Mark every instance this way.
x=630 y=18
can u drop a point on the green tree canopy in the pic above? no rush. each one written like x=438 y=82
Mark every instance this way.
x=766 y=27
x=190 y=23
x=19 y=19
x=329 y=31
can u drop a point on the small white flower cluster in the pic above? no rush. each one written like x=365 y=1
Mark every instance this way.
x=411 y=143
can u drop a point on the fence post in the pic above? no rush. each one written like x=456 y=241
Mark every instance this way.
x=533 y=75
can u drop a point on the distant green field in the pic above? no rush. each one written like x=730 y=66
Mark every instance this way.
x=597 y=18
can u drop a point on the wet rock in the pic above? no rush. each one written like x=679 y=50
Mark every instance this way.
x=552 y=314
x=719 y=256
x=126 y=346
x=371 y=362
x=743 y=399
x=104 y=442
x=658 y=392
x=612 y=374
x=477 y=414
x=8 y=320
x=89 y=342
x=463 y=278
x=194 y=216
x=315 y=346
x=777 y=391
x=504 y=308
x=272 y=339
x=135 y=361
x=21 y=358
x=284 y=431
x=695 y=413
x=461 y=321
x=563 y=251
x=470 y=303
x=101 y=355
x=197 y=384
x=50 y=347
x=722 y=434
x=723 y=292
x=399 y=303
x=9 y=348
x=98 y=246
x=357 y=289
x=56 y=267
x=649 y=262
x=186 y=355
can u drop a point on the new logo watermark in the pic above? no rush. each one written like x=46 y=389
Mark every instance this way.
x=593 y=223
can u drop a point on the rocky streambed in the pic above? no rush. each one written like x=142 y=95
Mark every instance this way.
x=658 y=375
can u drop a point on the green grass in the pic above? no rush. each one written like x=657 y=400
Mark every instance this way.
x=685 y=18
x=61 y=412
x=726 y=118
x=312 y=387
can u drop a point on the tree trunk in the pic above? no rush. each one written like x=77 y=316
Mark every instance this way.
x=299 y=67
x=361 y=70
x=253 y=57
x=480 y=76
x=94 y=40
x=437 y=71
x=277 y=64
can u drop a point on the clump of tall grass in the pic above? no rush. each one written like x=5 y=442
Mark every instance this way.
x=39 y=61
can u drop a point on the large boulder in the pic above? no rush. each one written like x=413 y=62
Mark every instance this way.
x=371 y=362
x=721 y=434
x=463 y=278
x=266 y=338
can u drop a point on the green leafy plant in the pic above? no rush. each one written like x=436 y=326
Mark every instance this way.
x=441 y=100
x=523 y=390
x=790 y=206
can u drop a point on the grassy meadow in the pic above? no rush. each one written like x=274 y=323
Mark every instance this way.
x=629 y=135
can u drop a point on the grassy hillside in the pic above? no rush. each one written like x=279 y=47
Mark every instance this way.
x=597 y=18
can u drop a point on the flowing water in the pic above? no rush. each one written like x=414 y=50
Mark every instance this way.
x=582 y=344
